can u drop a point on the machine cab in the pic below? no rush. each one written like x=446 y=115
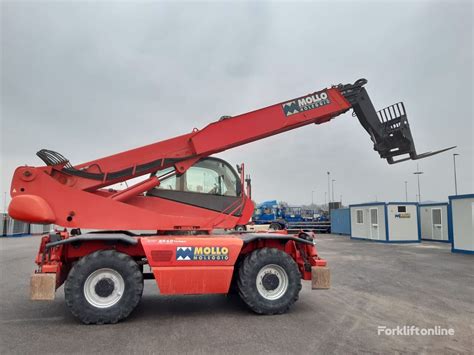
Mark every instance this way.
x=211 y=183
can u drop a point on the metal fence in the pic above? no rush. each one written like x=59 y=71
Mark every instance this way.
x=317 y=227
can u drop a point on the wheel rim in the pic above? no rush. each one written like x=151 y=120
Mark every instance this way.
x=272 y=282
x=104 y=288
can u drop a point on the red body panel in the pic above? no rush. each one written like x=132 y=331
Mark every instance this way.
x=211 y=251
x=193 y=280
x=208 y=270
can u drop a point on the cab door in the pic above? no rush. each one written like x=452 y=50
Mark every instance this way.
x=211 y=184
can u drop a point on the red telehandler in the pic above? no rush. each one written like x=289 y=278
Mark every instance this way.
x=187 y=195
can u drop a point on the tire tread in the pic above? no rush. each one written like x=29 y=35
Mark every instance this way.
x=73 y=287
x=246 y=278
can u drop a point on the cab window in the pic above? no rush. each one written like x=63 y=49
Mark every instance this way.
x=170 y=183
x=203 y=180
x=208 y=176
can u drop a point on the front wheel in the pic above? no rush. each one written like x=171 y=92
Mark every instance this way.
x=103 y=287
x=269 y=281
x=240 y=228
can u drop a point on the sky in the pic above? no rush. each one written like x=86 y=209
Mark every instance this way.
x=91 y=79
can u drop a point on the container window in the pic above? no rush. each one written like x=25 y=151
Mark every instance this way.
x=436 y=216
x=360 y=216
x=374 y=216
x=402 y=209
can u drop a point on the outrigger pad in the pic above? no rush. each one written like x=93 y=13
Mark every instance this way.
x=388 y=128
x=42 y=287
x=320 y=278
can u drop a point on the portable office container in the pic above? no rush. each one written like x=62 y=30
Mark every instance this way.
x=16 y=228
x=461 y=223
x=341 y=221
x=40 y=228
x=3 y=224
x=385 y=222
x=434 y=221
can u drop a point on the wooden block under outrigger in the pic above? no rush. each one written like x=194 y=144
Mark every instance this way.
x=320 y=278
x=42 y=287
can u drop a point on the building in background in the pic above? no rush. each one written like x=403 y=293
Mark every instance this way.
x=461 y=226
x=341 y=221
x=13 y=228
x=10 y=227
x=36 y=229
x=394 y=222
x=434 y=221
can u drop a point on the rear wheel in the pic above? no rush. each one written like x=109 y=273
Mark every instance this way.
x=103 y=287
x=269 y=281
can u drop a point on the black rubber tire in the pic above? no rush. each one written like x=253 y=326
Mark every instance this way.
x=240 y=228
x=247 y=284
x=275 y=226
x=74 y=287
x=234 y=287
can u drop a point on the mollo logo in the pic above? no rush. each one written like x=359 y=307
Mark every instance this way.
x=306 y=103
x=202 y=253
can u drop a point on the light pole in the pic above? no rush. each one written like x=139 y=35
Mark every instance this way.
x=406 y=191
x=325 y=198
x=333 y=199
x=418 y=173
x=455 y=178
x=329 y=187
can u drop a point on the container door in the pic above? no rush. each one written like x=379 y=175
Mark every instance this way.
x=374 y=223
x=437 y=224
